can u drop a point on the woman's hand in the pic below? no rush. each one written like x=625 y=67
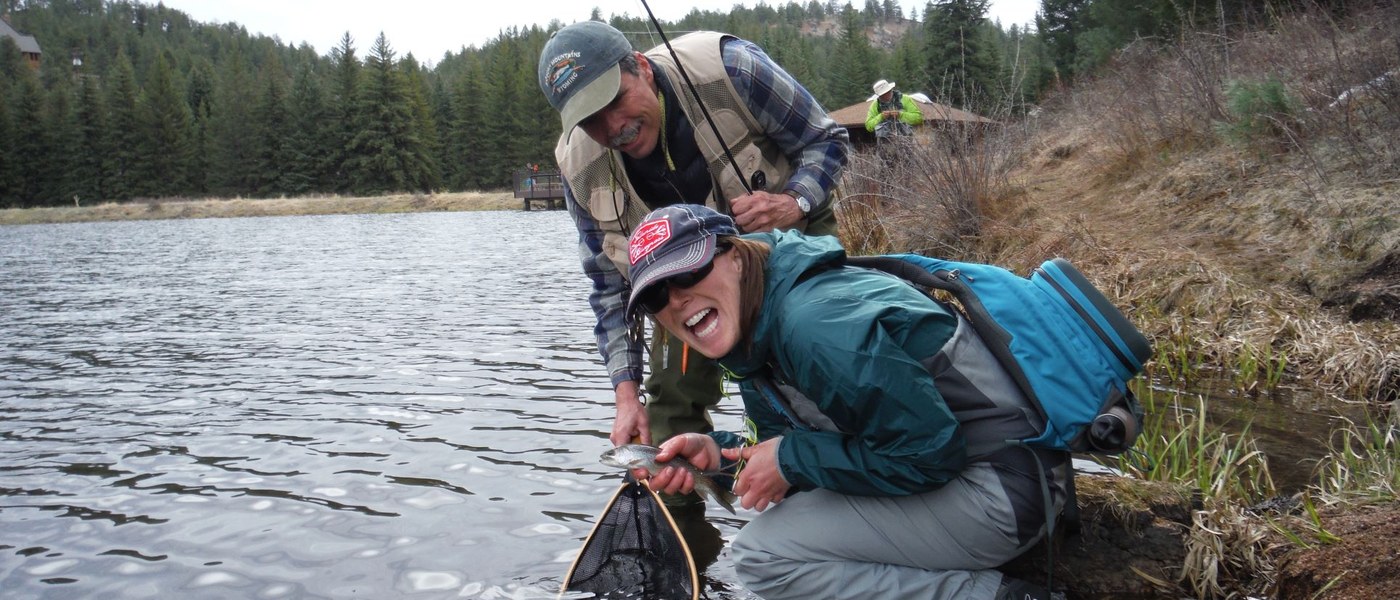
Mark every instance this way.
x=696 y=448
x=759 y=484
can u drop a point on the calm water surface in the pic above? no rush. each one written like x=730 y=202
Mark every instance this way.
x=343 y=406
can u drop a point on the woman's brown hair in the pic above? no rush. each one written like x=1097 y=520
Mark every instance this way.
x=753 y=259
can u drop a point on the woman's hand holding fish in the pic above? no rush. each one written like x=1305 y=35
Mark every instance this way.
x=760 y=483
x=699 y=449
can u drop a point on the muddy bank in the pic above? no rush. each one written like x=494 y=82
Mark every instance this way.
x=1142 y=540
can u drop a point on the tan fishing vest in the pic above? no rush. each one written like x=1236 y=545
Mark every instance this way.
x=598 y=179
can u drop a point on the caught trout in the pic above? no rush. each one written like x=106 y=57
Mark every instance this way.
x=639 y=456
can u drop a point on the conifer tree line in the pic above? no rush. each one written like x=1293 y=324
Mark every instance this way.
x=140 y=101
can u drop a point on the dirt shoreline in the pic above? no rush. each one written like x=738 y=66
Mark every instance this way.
x=180 y=208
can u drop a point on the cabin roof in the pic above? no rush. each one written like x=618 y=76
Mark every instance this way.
x=853 y=116
x=26 y=43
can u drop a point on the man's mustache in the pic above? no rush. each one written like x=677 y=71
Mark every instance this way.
x=626 y=136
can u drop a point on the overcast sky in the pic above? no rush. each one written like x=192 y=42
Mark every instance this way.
x=428 y=28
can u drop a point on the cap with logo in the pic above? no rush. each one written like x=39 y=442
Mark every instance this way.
x=672 y=240
x=578 y=69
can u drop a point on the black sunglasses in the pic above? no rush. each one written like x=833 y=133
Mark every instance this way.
x=655 y=298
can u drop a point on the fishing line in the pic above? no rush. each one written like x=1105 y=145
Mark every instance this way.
x=696 y=95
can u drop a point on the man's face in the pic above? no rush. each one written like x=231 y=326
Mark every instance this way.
x=631 y=123
x=885 y=97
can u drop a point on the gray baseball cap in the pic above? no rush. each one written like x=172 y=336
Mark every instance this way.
x=578 y=69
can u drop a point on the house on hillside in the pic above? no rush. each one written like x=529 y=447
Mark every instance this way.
x=28 y=46
x=935 y=115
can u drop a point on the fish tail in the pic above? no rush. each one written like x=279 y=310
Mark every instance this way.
x=727 y=499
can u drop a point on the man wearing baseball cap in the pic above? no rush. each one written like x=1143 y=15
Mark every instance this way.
x=634 y=139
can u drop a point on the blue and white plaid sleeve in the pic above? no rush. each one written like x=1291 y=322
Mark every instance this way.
x=622 y=357
x=791 y=117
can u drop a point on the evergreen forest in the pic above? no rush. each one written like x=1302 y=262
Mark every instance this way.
x=140 y=101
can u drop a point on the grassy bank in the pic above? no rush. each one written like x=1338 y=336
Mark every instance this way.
x=176 y=208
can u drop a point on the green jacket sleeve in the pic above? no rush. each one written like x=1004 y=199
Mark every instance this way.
x=859 y=361
x=910 y=113
x=872 y=116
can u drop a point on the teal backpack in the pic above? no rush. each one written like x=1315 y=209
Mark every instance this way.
x=1066 y=346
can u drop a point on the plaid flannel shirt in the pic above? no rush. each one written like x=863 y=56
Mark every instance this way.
x=789 y=115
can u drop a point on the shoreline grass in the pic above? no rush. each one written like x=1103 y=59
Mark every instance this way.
x=211 y=208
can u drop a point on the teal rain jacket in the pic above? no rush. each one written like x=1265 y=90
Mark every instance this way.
x=852 y=340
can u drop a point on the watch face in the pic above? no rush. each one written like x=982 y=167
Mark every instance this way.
x=803 y=205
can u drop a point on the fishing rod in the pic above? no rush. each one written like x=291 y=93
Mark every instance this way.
x=759 y=179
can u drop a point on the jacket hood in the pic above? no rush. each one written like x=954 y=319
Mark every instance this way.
x=793 y=255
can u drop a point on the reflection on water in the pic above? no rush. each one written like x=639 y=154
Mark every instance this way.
x=344 y=406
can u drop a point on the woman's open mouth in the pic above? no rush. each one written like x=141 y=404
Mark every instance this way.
x=703 y=323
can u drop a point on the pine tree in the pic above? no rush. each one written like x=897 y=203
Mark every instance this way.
x=308 y=146
x=855 y=62
x=1060 y=22
x=344 y=110
x=92 y=147
x=464 y=145
x=386 y=155
x=271 y=152
x=9 y=176
x=424 y=125
x=126 y=144
x=201 y=102
x=963 y=67
x=506 y=102
x=30 y=139
x=906 y=64
x=167 y=123
x=232 y=141
x=63 y=139
x=441 y=101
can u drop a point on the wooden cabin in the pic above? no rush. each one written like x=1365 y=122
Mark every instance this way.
x=28 y=46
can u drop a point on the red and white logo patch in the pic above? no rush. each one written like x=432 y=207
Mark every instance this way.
x=647 y=238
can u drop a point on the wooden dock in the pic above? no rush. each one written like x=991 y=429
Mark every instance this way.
x=539 y=188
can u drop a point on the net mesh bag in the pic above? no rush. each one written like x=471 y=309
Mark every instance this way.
x=634 y=551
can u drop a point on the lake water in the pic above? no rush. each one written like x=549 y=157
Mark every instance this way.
x=373 y=406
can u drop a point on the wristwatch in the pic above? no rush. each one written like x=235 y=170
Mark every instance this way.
x=803 y=204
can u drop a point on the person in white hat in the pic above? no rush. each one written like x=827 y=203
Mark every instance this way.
x=891 y=113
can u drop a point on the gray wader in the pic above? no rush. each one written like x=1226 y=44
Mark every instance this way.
x=940 y=544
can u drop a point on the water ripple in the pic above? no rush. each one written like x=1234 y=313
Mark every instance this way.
x=309 y=407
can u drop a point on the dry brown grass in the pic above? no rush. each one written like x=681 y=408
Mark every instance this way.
x=1228 y=255
x=178 y=208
